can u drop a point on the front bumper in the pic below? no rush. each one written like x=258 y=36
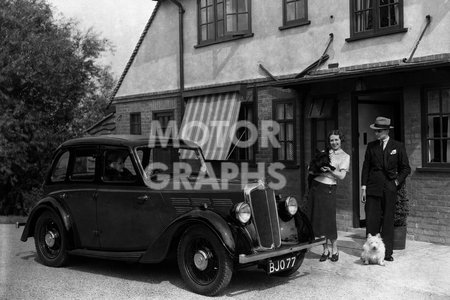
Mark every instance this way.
x=244 y=259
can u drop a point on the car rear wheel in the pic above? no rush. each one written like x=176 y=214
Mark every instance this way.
x=203 y=261
x=50 y=239
x=297 y=264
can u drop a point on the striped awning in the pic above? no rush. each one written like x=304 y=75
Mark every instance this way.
x=210 y=122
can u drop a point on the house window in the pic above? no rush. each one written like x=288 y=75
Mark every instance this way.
x=163 y=117
x=295 y=12
x=284 y=112
x=436 y=120
x=324 y=120
x=135 y=123
x=243 y=134
x=375 y=17
x=220 y=20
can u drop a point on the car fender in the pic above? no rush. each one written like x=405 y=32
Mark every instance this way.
x=158 y=250
x=44 y=204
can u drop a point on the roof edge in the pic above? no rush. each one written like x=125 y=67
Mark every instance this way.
x=134 y=53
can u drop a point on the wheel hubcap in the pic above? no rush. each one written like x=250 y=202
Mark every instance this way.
x=50 y=238
x=201 y=260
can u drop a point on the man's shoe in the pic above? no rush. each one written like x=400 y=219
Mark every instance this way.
x=324 y=256
x=335 y=257
x=389 y=258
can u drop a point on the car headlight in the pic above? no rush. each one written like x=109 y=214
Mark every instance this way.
x=243 y=212
x=291 y=205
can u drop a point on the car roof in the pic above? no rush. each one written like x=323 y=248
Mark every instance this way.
x=130 y=140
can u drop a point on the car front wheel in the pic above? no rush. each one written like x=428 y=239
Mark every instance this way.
x=50 y=239
x=203 y=261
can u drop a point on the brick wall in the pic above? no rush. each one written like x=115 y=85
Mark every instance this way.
x=146 y=108
x=428 y=192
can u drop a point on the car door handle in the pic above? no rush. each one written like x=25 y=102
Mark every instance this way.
x=142 y=199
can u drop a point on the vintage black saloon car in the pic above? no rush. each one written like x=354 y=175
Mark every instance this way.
x=88 y=210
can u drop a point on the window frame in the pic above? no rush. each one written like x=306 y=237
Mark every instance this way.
x=424 y=136
x=226 y=36
x=376 y=30
x=292 y=101
x=296 y=22
x=73 y=155
x=136 y=125
x=250 y=152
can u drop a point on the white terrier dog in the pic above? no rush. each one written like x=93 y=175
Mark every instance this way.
x=374 y=250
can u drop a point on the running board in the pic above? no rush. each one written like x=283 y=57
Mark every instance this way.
x=114 y=255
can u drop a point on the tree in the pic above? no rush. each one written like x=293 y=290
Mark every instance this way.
x=49 y=81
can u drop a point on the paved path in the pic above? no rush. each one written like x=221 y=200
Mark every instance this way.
x=420 y=272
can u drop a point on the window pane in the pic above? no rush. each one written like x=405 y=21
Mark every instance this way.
x=446 y=101
x=289 y=132
x=281 y=151
x=280 y=111
x=211 y=31
x=242 y=6
x=300 y=10
x=203 y=16
x=84 y=167
x=434 y=151
x=220 y=11
x=210 y=2
x=445 y=126
x=220 y=29
x=363 y=4
x=433 y=101
x=289 y=151
x=211 y=14
x=289 y=111
x=433 y=127
x=363 y=21
x=242 y=22
x=59 y=172
x=231 y=6
x=446 y=150
x=202 y=3
x=204 y=32
x=290 y=11
x=282 y=134
x=231 y=23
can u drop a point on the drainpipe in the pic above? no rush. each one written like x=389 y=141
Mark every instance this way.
x=181 y=11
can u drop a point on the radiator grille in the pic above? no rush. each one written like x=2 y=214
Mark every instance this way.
x=265 y=217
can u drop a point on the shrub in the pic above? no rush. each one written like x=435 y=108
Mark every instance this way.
x=401 y=207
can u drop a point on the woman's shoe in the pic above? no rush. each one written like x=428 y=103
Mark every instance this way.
x=324 y=256
x=335 y=257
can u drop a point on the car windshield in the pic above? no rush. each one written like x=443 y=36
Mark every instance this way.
x=173 y=161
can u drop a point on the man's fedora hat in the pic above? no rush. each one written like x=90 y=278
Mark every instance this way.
x=382 y=123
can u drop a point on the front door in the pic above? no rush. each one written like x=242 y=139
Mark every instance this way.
x=371 y=105
x=128 y=211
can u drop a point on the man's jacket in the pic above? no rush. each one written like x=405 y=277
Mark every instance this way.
x=382 y=167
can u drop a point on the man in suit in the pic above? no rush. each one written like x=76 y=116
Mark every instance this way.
x=385 y=169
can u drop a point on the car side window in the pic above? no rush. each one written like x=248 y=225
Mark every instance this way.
x=83 y=165
x=118 y=166
x=59 y=172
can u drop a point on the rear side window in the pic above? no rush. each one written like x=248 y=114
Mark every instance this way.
x=83 y=165
x=60 y=170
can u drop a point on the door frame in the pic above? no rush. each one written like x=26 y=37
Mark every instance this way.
x=399 y=107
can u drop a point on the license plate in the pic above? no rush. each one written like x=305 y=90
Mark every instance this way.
x=279 y=264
